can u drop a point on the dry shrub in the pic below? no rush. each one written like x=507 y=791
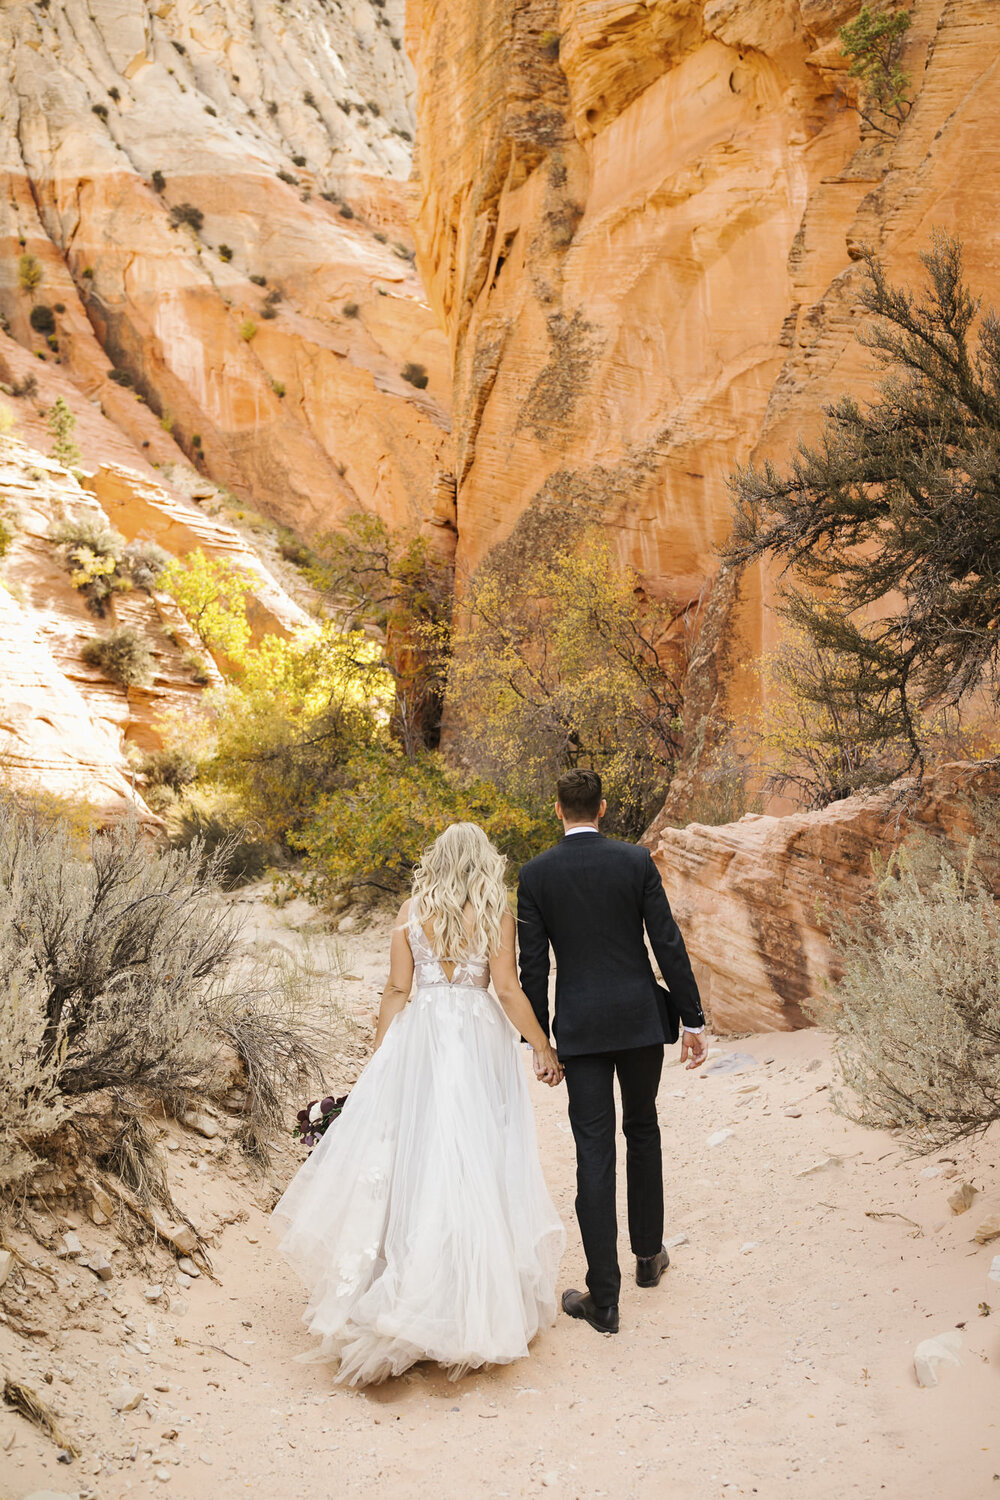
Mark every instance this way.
x=123 y=970
x=917 y=1011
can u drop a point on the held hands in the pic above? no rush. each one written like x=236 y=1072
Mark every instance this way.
x=694 y=1045
x=547 y=1066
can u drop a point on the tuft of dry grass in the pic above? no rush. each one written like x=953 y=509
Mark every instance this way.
x=31 y=1406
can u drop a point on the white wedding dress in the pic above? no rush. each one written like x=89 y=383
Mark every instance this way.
x=421 y=1223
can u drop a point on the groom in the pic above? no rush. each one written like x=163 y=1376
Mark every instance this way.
x=591 y=897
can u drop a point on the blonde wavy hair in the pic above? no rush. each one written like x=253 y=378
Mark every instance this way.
x=461 y=868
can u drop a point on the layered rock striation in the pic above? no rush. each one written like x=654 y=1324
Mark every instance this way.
x=639 y=222
x=756 y=899
x=213 y=196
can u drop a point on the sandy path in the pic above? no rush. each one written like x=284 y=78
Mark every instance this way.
x=775 y=1359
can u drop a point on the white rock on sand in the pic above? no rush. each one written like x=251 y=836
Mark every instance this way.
x=932 y=1353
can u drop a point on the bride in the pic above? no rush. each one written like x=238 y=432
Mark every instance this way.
x=421 y=1224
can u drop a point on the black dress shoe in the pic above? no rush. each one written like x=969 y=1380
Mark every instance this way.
x=582 y=1305
x=649 y=1268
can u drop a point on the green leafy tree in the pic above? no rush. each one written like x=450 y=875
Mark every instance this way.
x=398 y=587
x=62 y=424
x=874 y=43
x=887 y=531
x=564 y=664
x=212 y=592
x=29 y=273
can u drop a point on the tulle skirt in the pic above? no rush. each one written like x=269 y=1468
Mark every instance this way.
x=421 y=1224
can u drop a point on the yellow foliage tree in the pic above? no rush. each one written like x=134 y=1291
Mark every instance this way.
x=212 y=592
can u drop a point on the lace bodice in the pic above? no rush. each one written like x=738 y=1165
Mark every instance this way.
x=471 y=973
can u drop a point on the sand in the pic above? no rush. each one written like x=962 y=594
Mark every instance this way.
x=774 y=1359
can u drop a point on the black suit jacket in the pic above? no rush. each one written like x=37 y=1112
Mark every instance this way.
x=591 y=897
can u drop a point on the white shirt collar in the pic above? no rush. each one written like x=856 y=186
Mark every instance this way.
x=581 y=828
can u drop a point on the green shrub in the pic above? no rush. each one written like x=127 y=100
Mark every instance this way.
x=259 y=280
x=213 y=827
x=27 y=387
x=874 y=43
x=372 y=831
x=174 y=768
x=287 y=177
x=8 y=533
x=350 y=309
x=415 y=374
x=120 y=377
x=42 y=319
x=123 y=655
x=145 y=561
x=225 y=253
x=29 y=273
x=187 y=213
x=248 y=330
x=268 y=312
x=298 y=161
x=62 y=424
x=101 y=111
x=159 y=181
x=346 y=211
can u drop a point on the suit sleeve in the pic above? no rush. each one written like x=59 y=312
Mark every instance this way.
x=668 y=946
x=533 y=942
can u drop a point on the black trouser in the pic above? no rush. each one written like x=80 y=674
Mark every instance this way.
x=590 y=1086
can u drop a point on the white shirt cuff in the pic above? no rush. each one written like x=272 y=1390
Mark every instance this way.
x=693 y=1030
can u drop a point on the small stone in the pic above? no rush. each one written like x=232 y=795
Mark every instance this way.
x=988 y=1230
x=162 y=1475
x=932 y=1353
x=347 y=924
x=793 y=1112
x=819 y=1166
x=993 y=1274
x=961 y=1200
x=551 y=1479
x=152 y=1293
x=71 y=1245
x=719 y=1138
x=678 y=1239
x=6 y=1264
x=201 y=1123
x=184 y=1281
x=125 y=1398
x=731 y=1062
x=99 y=1264
x=173 y=1145
x=932 y=1172
x=163 y=1387
x=748 y=1246
x=187 y=1265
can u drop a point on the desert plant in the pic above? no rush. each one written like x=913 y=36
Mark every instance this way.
x=214 y=828
x=101 y=111
x=396 y=587
x=27 y=387
x=187 y=213
x=371 y=831
x=562 y=663
x=892 y=522
x=225 y=253
x=42 y=318
x=144 y=562
x=298 y=161
x=917 y=1011
x=346 y=211
x=350 y=309
x=159 y=181
x=284 y=176
x=874 y=42
x=173 y=767
x=91 y=941
x=415 y=374
x=248 y=330
x=123 y=655
x=62 y=424
x=213 y=594
x=258 y=280
x=267 y=312
x=278 y=387
x=29 y=273
x=120 y=377
x=92 y=551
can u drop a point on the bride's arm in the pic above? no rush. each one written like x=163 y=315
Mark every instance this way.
x=397 y=990
x=517 y=1006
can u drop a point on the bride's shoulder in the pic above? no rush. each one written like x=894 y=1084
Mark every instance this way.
x=403 y=918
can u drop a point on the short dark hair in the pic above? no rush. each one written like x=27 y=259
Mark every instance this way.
x=579 y=793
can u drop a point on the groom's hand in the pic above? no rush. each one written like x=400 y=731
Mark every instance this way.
x=547 y=1068
x=694 y=1045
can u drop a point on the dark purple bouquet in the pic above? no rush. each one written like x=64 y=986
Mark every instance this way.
x=316 y=1119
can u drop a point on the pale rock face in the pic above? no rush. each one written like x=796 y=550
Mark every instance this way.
x=755 y=899
x=637 y=219
x=310 y=416
x=64 y=728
